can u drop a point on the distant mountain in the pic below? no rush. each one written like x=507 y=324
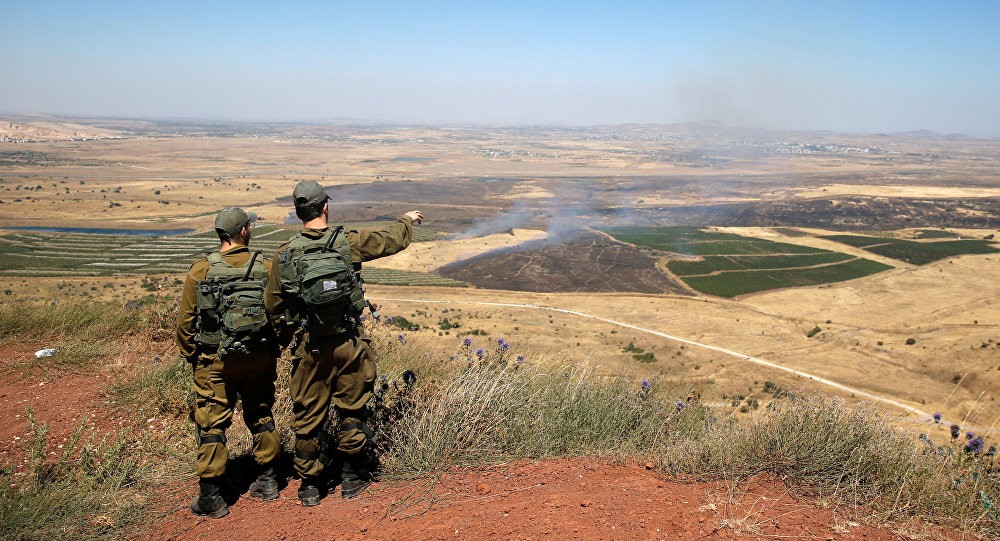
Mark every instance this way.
x=930 y=134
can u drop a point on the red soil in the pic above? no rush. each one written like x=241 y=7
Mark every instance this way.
x=556 y=499
x=61 y=400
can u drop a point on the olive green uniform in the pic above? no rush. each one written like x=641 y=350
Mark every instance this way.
x=338 y=368
x=219 y=378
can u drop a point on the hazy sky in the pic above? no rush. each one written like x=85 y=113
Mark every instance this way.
x=846 y=66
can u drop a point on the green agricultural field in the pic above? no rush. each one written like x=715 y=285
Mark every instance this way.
x=655 y=237
x=692 y=241
x=711 y=264
x=733 y=283
x=917 y=253
x=76 y=254
x=731 y=265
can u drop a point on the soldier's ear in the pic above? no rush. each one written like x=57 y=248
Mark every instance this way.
x=326 y=207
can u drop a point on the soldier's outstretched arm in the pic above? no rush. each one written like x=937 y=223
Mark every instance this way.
x=368 y=244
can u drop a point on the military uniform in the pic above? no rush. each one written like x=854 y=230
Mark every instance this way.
x=219 y=378
x=339 y=368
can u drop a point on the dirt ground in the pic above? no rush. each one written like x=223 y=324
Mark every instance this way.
x=565 y=499
x=63 y=401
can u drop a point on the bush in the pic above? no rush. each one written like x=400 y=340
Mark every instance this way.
x=855 y=454
x=476 y=413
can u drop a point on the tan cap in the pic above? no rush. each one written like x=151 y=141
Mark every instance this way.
x=308 y=191
x=232 y=219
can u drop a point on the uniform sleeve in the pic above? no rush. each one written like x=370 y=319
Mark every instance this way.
x=273 y=301
x=369 y=244
x=187 y=347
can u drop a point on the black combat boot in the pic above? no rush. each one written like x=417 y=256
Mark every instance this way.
x=265 y=487
x=356 y=475
x=309 y=492
x=209 y=503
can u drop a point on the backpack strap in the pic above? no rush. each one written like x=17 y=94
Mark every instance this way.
x=250 y=266
x=333 y=237
x=214 y=258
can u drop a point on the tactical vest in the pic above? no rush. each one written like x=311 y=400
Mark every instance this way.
x=230 y=305
x=323 y=292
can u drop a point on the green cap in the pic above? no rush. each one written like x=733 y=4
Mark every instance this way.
x=232 y=219
x=308 y=191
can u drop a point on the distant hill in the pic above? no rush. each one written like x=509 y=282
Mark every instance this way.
x=12 y=131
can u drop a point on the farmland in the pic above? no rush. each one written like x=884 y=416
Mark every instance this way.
x=731 y=284
x=75 y=254
x=917 y=253
x=729 y=265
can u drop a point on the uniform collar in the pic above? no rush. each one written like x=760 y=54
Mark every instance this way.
x=236 y=250
x=312 y=233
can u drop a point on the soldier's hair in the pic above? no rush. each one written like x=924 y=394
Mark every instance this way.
x=310 y=211
x=223 y=236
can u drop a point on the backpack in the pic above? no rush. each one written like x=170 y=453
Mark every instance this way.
x=325 y=293
x=230 y=305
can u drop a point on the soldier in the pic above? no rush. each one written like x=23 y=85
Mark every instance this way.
x=224 y=332
x=314 y=295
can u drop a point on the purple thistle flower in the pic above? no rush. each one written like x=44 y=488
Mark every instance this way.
x=937 y=417
x=681 y=405
x=646 y=385
x=402 y=338
x=388 y=320
x=520 y=358
x=480 y=352
x=503 y=344
x=975 y=445
x=466 y=341
x=969 y=435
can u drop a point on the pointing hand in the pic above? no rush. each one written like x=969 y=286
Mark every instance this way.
x=415 y=215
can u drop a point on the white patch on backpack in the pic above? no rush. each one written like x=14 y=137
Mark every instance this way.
x=329 y=284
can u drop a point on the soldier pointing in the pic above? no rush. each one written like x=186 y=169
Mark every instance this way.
x=314 y=295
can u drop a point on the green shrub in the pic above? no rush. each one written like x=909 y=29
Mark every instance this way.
x=855 y=454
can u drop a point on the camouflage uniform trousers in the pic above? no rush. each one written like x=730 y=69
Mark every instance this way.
x=217 y=382
x=340 y=369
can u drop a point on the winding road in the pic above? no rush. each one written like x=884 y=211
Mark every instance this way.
x=742 y=356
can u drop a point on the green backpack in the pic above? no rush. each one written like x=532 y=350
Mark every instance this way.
x=230 y=305
x=319 y=278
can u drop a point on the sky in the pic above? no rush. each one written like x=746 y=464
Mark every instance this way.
x=849 y=66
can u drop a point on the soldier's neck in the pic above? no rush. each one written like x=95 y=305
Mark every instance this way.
x=229 y=245
x=315 y=223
